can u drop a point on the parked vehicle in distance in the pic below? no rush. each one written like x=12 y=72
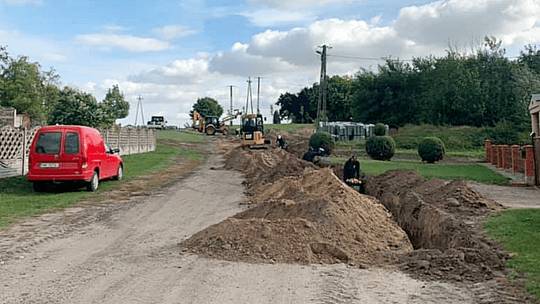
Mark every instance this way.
x=157 y=122
x=64 y=154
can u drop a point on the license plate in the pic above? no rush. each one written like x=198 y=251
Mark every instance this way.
x=49 y=165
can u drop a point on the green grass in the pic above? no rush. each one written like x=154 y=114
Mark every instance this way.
x=519 y=232
x=183 y=136
x=18 y=199
x=473 y=153
x=473 y=172
x=292 y=128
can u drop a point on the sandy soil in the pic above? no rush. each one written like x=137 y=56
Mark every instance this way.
x=126 y=248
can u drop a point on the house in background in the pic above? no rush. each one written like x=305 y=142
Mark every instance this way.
x=534 y=108
x=9 y=117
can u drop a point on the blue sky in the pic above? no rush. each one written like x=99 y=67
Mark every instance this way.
x=173 y=52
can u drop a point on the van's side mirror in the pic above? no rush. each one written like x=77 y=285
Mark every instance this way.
x=115 y=150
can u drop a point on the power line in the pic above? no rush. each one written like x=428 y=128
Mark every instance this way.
x=385 y=58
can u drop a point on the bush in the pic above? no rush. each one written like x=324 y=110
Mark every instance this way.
x=431 y=149
x=322 y=140
x=380 y=147
x=379 y=129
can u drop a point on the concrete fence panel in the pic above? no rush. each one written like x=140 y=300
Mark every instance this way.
x=15 y=145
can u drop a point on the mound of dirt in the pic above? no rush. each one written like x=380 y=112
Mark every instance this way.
x=264 y=166
x=297 y=144
x=310 y=218
x=299 y=212
x=440 y=218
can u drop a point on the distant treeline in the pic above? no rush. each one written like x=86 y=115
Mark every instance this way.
x=484 y=89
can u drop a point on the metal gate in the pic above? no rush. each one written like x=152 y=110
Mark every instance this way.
x=536 y=149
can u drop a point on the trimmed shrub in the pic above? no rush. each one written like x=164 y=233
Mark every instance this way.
x=431 y=149
x=322 y=140
x=380 y=147
x=379 y=129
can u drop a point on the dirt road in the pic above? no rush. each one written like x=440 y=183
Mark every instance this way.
x=129 y=253
x=511 y=197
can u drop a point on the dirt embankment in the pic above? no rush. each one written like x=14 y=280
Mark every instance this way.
x=442 y=221
x=302 y=213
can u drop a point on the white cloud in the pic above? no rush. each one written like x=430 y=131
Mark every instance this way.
x=238 y=62
x=463 y=21
x=296 y=3
x=179 y=72
x=171 y=32
x=352 y=38
x=126 y=42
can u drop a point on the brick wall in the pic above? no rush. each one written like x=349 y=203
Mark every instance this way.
x=517 y=159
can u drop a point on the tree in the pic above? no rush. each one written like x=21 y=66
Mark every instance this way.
x=78 y=108
x=207 y=107
x=276 y=118
x=115 y=105
x=297 y=106
x=25 y=88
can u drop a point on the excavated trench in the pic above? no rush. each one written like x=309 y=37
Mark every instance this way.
x=302 y=213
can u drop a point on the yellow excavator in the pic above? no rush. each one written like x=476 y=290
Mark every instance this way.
x=252 y=132
x=211 y=124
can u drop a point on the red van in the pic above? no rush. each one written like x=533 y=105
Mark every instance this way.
x=71 y=154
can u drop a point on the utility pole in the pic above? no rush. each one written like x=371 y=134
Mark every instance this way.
x=139 y=105
x=231 y=107
x=321 y=105
x=258 y=93
x=249 y=97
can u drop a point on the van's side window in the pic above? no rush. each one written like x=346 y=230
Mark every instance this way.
x=49 y=143
x=72 y=143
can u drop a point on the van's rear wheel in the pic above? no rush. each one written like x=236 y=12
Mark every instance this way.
x=94 y=182
x=119 y=173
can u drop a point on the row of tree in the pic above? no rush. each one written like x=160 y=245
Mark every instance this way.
x=28 y=89
x=484 y=89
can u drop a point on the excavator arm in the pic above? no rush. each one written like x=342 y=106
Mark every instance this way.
x=198 y=121
x=231 y=116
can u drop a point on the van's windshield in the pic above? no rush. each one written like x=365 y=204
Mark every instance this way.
x=49 y=143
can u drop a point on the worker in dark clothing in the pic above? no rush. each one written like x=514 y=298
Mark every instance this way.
x=281 y=142
x=351 y=168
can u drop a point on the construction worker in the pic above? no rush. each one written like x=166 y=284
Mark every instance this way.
x=281 y=142
x=351 y=169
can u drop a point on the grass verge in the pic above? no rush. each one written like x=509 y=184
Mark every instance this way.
x=519 y=232
x=18 y=199
x=473 y=172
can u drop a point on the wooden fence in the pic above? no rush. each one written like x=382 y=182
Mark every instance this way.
x=15 y=145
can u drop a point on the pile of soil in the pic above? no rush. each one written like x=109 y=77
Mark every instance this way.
x=297 y=144
x=299 y=213
x=441 y=219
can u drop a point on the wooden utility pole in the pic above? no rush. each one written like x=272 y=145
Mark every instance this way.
x=321 y=105
x=231 y=106
x=139 y=105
